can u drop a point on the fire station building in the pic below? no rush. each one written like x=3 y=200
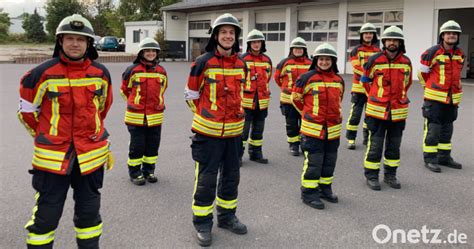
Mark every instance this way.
x=333 y=21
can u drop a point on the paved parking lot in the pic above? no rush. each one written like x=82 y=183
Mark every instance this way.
x=159 y=216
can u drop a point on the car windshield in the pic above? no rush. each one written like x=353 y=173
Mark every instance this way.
x=110 y=40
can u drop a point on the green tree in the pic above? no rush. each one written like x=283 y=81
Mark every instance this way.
x=160 y=38
x=58 y=9
x=33 y=26
x=26 y=21
x=4 y=24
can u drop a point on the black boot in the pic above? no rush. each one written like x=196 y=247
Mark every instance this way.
x=372 y=176
x=234 y=225
x=295 y=149
x=433 y=167
x=204 y=238
x=313 y=200
x=151 y=178
x=139 y=180
x=449 y=162
x=256 y=155
x=327 y=194
x=390 y=177
x=351 y=145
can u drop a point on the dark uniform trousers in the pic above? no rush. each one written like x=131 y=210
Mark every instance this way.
x=50 y=197
x=320 y=158
x=381 y=131
x=358 y=106
x=143 y=150
x=293 y=122
x=438 y=130
x=255 y=120
x=215 y=156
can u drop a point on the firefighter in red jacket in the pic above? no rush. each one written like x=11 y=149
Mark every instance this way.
x=287 y=71
x=143 y=86
x=387 y=77
x=213 y=93
x=359 y=56
x=256 y=94
x=317 y=95
x=63 y=104
x=440 y=75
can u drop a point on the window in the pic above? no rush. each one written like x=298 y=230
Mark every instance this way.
x=381 y=20
x=318 y=31
x=136 y=36
x=199 y=25
x=273 y=31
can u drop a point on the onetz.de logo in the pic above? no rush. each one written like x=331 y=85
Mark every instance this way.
x=383 y=234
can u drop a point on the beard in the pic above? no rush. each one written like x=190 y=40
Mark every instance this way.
x=449 y=43
x=392 y=49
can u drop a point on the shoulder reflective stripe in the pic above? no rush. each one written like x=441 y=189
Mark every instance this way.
x=377 y=67
x=49 y=154
x=93 y=154
x=391 y=162
x=225 y=71
x=40 y=239
x=441 y=58
x=306 y=182
x=89 y=232
x=44 y=86
x=134 y=162
x=230 y=204
x=444 y=146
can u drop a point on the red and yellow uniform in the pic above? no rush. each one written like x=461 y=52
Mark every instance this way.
x=287 y=71
x=256 y=86
x=63 y=105
x=218 y=82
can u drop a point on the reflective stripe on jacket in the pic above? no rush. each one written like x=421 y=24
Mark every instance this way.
x=440 y=74
x=63 y=105
x=219 y=81
x=386 y=82
x=260 y=72
x=143 y=88
x=287 y=71
x=317 y=95
x=359 y=56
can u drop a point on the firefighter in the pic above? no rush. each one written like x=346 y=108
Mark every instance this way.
x=287 y=71
x=256 y=94
x=440 y=75
x=386 y=79
x=317 y=95
x=63 y=104
x=213 y=93
x=143 y=86
x=359 y=55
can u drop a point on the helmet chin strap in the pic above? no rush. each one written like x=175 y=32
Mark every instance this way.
x=73 y=59
x=220 y=45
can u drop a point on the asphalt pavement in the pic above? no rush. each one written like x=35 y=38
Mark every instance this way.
x=159 y=215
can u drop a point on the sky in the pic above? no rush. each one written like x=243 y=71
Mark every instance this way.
x=15 y=7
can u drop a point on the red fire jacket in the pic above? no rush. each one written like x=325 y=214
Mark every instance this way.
x=287 y=72
x=317 y=95
x=440 y=74
x=386 y=82
x=63 y=104
x=260 y=72
x=214 y=93
x=143 y=88
x=359 y=56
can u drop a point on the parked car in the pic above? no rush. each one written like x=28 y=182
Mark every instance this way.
x=121 y=46
x=108 y=43
x=96 y=40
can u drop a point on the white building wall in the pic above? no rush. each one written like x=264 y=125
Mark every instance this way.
x=175 y=25
x=275 y=49
x=146 y=28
